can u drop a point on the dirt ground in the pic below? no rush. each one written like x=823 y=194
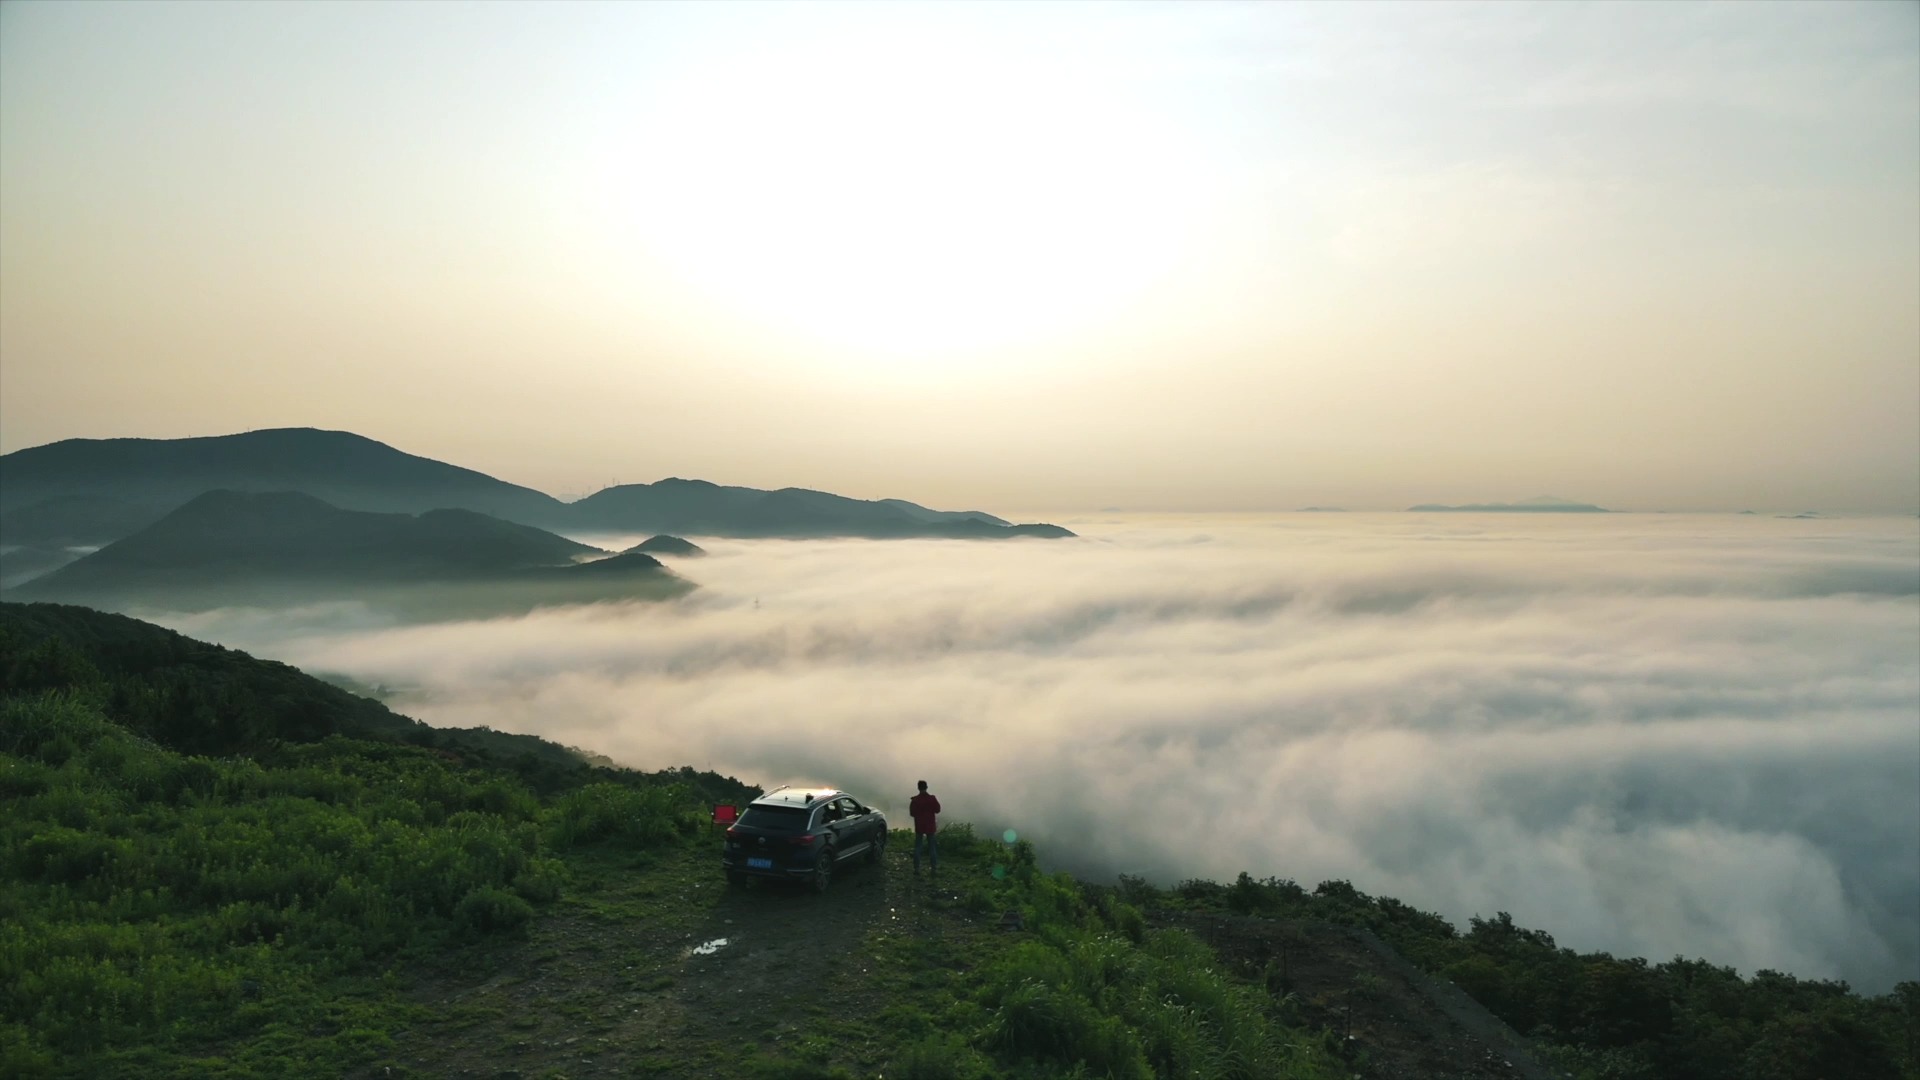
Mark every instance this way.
x=670 y=972
x=674 y=973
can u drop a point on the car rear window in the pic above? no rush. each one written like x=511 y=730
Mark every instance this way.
x=775 y=818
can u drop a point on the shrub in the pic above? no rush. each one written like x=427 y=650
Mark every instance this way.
x=1199 y=890
x=1040 y=1022
x=958 y=840
x=642 y=817
x=1030 y=962
x=489 y=910
x=939 y=1057
x=1137 y=890
x=60 y=854
x=21 y=779
x=540 y=882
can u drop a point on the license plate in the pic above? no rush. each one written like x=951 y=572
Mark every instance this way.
x=760 y=864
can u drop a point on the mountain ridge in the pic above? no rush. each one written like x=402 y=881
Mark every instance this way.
x=83 y=492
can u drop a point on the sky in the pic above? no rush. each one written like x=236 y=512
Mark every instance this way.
x=1062 y=257
x=1653 y=735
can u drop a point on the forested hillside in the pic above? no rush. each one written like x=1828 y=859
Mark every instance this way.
x=1593 y=1014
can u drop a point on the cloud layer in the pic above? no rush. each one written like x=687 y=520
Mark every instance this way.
x=1650 y=734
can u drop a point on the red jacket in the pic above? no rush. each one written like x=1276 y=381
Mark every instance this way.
x=923 y=807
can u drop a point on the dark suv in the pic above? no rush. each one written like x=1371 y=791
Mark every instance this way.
x=802 y=833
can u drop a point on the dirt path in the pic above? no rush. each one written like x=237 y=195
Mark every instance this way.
x=661 y=969
x=670 y=972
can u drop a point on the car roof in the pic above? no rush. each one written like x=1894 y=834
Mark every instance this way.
x=798 y=796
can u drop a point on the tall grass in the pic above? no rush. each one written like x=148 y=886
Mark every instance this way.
x=1093 y=989
x=156 y=905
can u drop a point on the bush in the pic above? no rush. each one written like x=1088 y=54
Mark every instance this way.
x=541 y=882
x=642 y=817
x=939 y=1057
x=958 y=840
x=489 y=910
x=1039 y=1022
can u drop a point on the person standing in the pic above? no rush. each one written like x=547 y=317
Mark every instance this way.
x=925 y=808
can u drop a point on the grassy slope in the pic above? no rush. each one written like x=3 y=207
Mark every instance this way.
x=215 y=866
x=212 y=865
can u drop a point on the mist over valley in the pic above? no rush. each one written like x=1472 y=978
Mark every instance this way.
x=1656 y=735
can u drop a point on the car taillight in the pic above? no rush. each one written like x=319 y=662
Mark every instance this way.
x=732 y=833
x=803 y=841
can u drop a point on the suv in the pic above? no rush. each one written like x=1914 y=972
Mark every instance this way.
x=802 y=833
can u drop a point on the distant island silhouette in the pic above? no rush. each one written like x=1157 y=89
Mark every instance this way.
x=1539 y=504
x=667 y=545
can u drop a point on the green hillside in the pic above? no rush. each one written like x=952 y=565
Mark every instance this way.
x=216 y=866
x=278 y=548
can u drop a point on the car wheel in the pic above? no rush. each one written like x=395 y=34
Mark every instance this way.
x=878 y=849
x=736 y=879
x=823 y=871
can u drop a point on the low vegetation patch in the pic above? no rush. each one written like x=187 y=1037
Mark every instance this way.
x=1600 y=1017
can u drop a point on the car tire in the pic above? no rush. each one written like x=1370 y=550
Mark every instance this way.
x=736 y=879
x=823 y=870
x=878 y=849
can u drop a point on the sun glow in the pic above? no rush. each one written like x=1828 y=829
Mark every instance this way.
x=905 y=202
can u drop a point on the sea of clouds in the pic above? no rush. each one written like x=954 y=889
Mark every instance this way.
x=1656 y=735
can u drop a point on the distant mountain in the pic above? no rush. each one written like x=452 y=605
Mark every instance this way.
x=88 y=492
x=1539 y=504
x=228 y=547
x=667 y=545
x=921 y=513
x=72 y=520
x=22 y=564
x=92 y=491
x=682 y=506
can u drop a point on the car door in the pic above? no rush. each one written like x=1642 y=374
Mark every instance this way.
x=844 y=820
x=866 y=823
x=870 y=823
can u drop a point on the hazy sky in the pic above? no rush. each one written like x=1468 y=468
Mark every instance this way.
x=1008 y=256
